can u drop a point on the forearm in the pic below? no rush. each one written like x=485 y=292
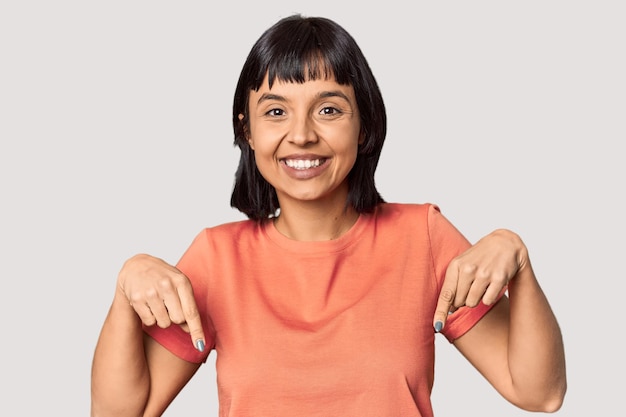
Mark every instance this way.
x=536 y=356
x=120 y=381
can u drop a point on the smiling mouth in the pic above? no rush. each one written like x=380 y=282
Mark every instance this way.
x=301 y=164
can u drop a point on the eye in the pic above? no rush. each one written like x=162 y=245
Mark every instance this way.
x=329 y=111
x=275 y=112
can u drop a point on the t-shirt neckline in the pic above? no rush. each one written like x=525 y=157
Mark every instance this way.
x=326 y=246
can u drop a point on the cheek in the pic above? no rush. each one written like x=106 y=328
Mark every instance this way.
x=264 y=140
x=264 y=155
x=262 y=150
x=348 y=158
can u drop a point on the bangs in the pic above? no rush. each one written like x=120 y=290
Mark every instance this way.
x=299 y=69
x=304 y=52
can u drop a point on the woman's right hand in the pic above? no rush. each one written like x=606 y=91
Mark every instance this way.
x=161 y=294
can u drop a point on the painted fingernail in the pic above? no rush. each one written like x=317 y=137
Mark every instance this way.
x=200 y=345
x=438 y=326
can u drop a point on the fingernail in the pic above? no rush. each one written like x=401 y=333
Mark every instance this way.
x=200 y=345
x=438 y=326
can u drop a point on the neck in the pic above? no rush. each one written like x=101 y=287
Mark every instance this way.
x=308 y=221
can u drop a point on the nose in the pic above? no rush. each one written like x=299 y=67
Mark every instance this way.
x=302 y=131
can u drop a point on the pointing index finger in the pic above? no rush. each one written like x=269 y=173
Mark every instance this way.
x=446 y=298
x=192 y=317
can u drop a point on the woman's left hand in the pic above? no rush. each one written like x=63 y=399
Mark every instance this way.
x=481 y=273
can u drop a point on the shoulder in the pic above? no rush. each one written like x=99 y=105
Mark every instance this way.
x=425 y=218
x=403 y=221
x=208 y=238
x=232 y=227
x=217 y=245
x=406 y=211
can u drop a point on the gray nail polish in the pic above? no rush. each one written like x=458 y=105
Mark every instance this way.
x=438 y=326
x=200 y=345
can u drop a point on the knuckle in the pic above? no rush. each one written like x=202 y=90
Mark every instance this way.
x=164 y=323
x=152 y=295
x=148 y=320
x=135 y=299
x=164 y=284
x=192 y=313
x=468 y=268
x=482 y=275
x=447 y=295
x=180 y=281
x=454 y=263
x=471 y=303
x=177 y=319
x=197 y=334
x=488 y=300
x=500 y=277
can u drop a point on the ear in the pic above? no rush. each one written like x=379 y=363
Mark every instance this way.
x=361 y=137
x=246 y=132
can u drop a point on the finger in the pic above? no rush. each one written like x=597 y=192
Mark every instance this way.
x=157 y=306
x=444 y=307
x=144 y=313
x=192 y=316
x=446 y=297
x=492 y=294
x=174 y=308
x=476 y=293
x=487 y=287
x=166 y=294
x=465 y=282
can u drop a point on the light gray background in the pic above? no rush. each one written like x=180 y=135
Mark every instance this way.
x=116 y=139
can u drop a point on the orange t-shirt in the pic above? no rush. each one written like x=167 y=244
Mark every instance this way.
x=331 y=328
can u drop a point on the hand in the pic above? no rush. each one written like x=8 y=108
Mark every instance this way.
x=161 y=294
x=480 y=273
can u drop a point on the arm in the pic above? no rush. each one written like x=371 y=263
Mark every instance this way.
x=517 y=346
x=132 y=375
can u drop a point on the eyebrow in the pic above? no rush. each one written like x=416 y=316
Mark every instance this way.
x=269 y=96
x=323 y=94
x=334 y=93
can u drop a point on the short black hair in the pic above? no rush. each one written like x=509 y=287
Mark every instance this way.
x=297 y=49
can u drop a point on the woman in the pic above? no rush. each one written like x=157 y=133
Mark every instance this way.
x=327 y=300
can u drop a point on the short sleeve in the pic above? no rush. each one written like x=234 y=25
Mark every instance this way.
x=194 y=264
x=447 y=243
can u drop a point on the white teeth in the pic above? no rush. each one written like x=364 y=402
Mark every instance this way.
x=302 y=163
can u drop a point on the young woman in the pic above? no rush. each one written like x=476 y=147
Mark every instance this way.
x=328 y=299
